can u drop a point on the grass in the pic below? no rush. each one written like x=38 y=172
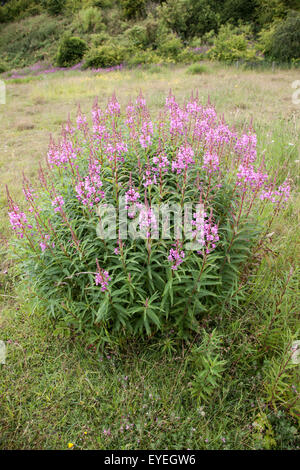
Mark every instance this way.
x=55 y=390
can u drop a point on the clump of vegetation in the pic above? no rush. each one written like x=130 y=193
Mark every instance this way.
x=132 y=9
x=54 y=7
x=190 y=18
x=285 y=41
x=165 y=271
x=3 y=67
x=197 y=69
x=147 y=56
x=207 y=362
x=233 y=44
x=71 y=50
x=170 y=47
x=89 y=20
x=106 y=55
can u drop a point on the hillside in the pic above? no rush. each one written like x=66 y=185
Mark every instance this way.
x=105 y=33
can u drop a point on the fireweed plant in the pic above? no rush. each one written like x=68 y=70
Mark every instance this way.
x=124 y=286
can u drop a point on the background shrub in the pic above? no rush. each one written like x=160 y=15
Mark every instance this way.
x=285 y=41
x=236 y=11
x=196 y=69
x=70 y=51
x=54 y=7
x=170 y=46
x=190 y=17
x=3 y=67
x=133 y=8
x=154 y=25
x=89 y=20
x=203 y=17
x=232 y=44
x=138 y=35
x=105 y=56
x=147 y=56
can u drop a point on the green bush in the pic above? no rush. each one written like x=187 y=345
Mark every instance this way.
x=71 y=50
x=105 y=56
x=100 y=38
x=197 y=69
x=232 y=44
x=203 y=17
x=89 y=20
x=138 y=36
x=54 y=7
x=268 y=11
x=3 y=67
x=153 y=28
x=189 y=17
x=17 y=9
x=170 y=47
x=173 y=14
x=89 y=276
x=147 y=56
x=133 y=8
x=188 y=56
x=285 y=43
x=265 y=39
x=238 y=10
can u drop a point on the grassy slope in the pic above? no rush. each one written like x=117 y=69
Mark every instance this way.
x=54 y=390
x=32 y=39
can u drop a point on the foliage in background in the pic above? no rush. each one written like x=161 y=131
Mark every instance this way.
x=70 y=51
x=285 y=41
x=54 y=7
x=89 y=20
x=36 y=38
x=133 y=9
x=195 y=69
x=233 y=44
x=189 y=18
x=153 y=29
x=105 y=56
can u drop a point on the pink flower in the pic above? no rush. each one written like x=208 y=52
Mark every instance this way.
x=146 y=133
x=147 y=221
x=113 y=107
x=102 y=277
x=43 y=246
x=210 y=162
x=278 y=196
x=57 y=203
x=246 y=147
x=185 y=157
x=89 y=190
x=249 y=178
x=176 y=257
x=18 y=221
